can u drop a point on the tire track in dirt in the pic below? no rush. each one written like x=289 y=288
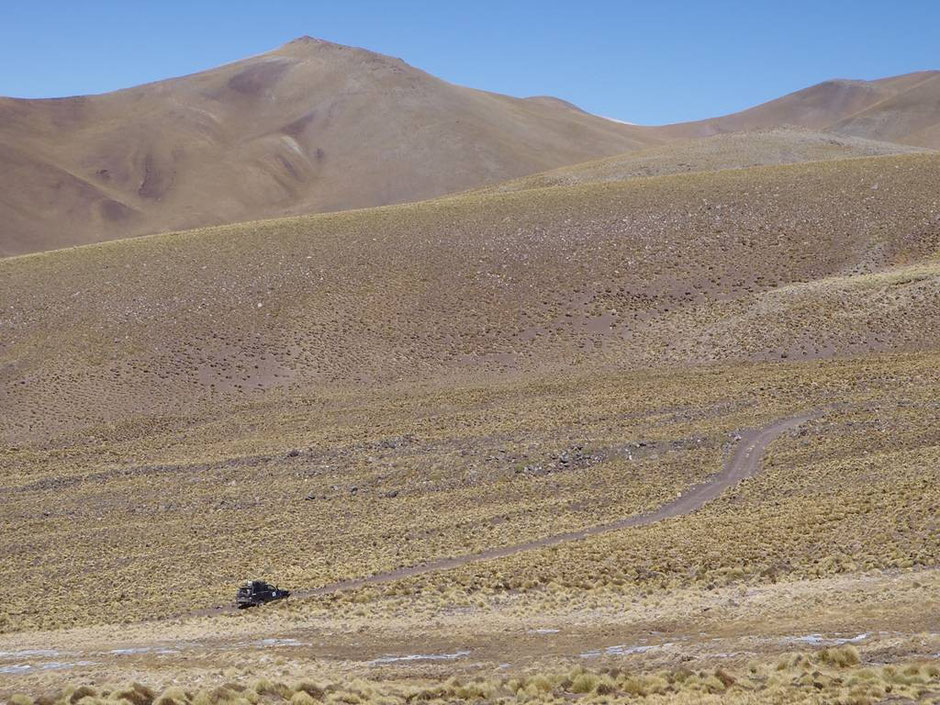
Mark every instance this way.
x=744 y=462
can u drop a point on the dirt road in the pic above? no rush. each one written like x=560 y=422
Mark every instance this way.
x=743 y=462
x=191 y=647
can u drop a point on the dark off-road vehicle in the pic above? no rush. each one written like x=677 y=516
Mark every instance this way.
x=258 y=592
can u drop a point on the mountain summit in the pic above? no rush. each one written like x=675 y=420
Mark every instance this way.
x=311 y=126
x=316 y=126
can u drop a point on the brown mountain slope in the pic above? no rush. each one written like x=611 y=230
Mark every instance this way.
x=315 y=126
x=834 y=103
x=912 y=117
x=803 y=261
x=734 y=150
x=312 y=126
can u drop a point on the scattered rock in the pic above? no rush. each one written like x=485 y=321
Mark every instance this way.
x=396 y=442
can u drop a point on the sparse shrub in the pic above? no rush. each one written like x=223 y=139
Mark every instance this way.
x=633 y=685
x=656 y=683
x=215 y=696
x=262 y=686
x=714 y=684
x=864 y=674
x=310 y=688
x=20 y=699
x=82 y=692
x=584 y=683
x=172 y=696
x=267 y=687
x=538 y=684
x=135 y=693
x=302 y=697
x=842 y=656
x=792 y=660
x=605 y=686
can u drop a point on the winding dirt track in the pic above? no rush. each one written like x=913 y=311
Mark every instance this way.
x=743 y=462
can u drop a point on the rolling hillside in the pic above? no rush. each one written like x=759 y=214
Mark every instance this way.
x=328 y=397
x=734 y=150
x=804 y=261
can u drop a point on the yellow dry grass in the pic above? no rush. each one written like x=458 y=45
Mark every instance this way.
x=328 y=397
x=307 y=492
x=832 y=676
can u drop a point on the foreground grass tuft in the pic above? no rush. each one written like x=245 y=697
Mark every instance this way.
x=828 y=676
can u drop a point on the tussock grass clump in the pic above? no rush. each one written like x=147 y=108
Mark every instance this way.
x=173 y=695
x=477 y=690
x=841 y=656
x=135 y=694
x=310 y=688
x=605 y=685
x=584 y=683
x=798 y=678
x=536 y=685
x=302 y=697
x=265 y=687
x=83 y=691
x=226 y=693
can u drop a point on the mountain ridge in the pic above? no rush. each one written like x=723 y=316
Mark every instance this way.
x=315 y=126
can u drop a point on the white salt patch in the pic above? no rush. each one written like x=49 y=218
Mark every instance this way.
x=267 y=643
x=26 y=653
x=143 y=650
x=422 y=657
x=621 y=650
x=819 y=640
x=62 y=665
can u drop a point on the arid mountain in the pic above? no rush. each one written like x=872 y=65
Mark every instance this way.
x=312 y=126
x=911 y=116
x=315 y=127
x=733 y=150
x=899 y=109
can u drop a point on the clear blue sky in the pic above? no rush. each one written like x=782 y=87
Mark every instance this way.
x=648 y=62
